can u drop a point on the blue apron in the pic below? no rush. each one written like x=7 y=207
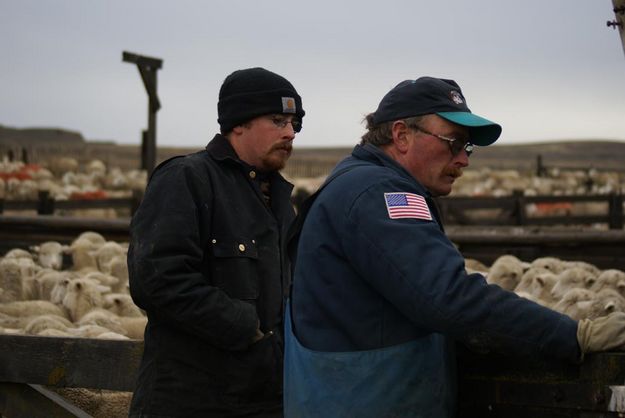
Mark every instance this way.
x=414 y=379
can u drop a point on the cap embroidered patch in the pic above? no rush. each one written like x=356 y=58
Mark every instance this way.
x=288 y=105
x=407 y=205
x=456 y=97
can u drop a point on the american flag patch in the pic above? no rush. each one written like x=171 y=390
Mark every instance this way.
x=407 y=205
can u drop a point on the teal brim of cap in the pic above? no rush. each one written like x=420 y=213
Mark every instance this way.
x=482 y=131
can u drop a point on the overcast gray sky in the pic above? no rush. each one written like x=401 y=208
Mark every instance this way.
x=544 y=69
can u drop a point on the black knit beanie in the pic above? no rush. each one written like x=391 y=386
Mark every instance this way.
x=252 y=92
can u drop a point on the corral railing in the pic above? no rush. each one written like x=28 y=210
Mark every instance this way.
x=489 y=385
x=46 y=205
x=549 y=210
x=484 y=211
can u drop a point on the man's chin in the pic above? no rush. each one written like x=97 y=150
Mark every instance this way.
x=275 y=163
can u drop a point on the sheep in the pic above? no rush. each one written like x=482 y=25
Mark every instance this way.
x=102 y=278
x=134 y=326
x=10 y=280
x=42 y=322
x=94 y=237
x=118 y=267
x=32 y=307
x=18 y=253
x=537 y=283
x=506 y=272
x=582 y=264
x=50 y=254
x=548 y=263
x=471 y=265
x=571 y=278
x=106 y=252
x=88 y=331
x=121 y=304
x=104 y=318
x=82 y=253
x=611 y=278
x=576 y=303
x=81 y=296
x=46 y=281
x=606 y=301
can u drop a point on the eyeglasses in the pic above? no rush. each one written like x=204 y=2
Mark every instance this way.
x=281 y=122
x=455 y=145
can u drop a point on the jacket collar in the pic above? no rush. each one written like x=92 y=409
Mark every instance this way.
x=375 y=155
x=221 y=149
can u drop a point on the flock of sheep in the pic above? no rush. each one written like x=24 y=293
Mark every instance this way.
x=574 y=288
x=42 y=295
x=64 y=178
x=90 y=299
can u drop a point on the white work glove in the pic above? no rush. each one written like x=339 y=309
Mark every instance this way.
x=602 y=334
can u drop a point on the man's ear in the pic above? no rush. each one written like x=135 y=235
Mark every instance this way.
x=399 y=130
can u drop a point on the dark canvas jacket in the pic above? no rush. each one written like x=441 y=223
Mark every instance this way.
x=206 y=263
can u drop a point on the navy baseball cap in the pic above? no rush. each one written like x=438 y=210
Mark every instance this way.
x=429 y=95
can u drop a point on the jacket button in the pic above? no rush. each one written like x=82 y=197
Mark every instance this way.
x=253 y=174
x=214 y=241
x=241 y=247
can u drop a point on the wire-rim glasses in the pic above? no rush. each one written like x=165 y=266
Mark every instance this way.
x=455 y=145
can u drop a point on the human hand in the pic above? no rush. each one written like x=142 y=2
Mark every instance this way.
x=602 y=334
x=259 y=334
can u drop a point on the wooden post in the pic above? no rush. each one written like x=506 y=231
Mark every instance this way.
x=45 y=204
x=148 y=67
x=615 y=211
x=519 y=207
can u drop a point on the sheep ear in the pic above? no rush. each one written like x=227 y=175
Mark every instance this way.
x=540 y=280
x=525 y=265
x=34 y=248
x=589 y=281
x=609 y=307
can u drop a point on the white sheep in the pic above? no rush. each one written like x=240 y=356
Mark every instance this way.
x=611 y=278
x=606 y=301
x=552 y=264
x=106 y=252
x=576 y=303
x=82 y=251
x=42 y=322
x=121 y=304
x=22 y=308
x=537 y=283
x=10 y=280
x=81 y=296
x=50 y=254
x=506 y=272
x=18 y=253
x=571 y=278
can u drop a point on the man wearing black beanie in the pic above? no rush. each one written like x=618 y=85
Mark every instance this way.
x=207 y=261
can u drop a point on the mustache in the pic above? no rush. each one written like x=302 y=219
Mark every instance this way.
x=287 y=146
x=455 y=172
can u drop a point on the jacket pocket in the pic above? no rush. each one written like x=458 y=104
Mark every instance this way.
x=234 y=267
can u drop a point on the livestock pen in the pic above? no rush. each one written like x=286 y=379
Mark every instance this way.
x=32 y=369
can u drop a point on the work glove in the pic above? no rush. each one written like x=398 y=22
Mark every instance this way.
x=602 y=334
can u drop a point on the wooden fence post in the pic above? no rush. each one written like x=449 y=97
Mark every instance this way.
x=45 y=204
x=519 y=207
x=615 y=211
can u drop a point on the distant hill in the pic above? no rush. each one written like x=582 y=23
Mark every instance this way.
x=43 y=143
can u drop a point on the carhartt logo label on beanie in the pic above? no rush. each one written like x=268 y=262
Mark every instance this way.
x=253 y=92
x=288 y=105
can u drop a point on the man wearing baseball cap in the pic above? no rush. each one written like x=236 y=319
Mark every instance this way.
x=207 y=261
x=380 y=294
